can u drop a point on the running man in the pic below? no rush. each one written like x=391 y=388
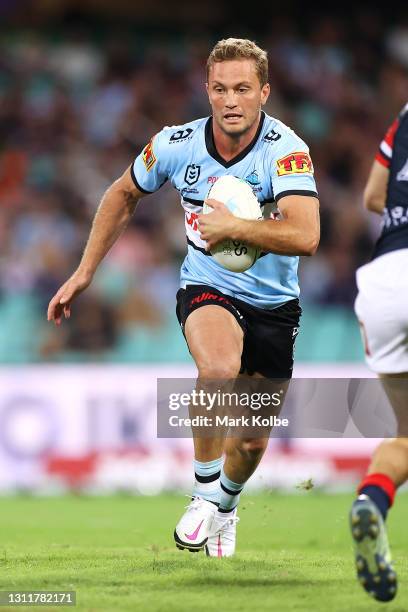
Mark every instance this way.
x=382 y=309
x=252 y=328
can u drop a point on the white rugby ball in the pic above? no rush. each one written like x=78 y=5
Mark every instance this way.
x=239 y=198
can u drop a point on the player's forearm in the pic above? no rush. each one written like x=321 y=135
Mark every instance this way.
x=374 y=203
x=280 y=237
x=111 y=218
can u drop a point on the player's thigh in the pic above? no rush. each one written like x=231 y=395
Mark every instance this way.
x=269 y=341
x=396 y=388
x=215 y=340
x=382 y=310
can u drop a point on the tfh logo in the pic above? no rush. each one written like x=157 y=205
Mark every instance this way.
x=294 y=163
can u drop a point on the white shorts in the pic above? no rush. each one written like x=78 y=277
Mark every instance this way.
x=381 y=307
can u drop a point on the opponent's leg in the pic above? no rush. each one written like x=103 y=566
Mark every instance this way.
x=215 y=340
x=387 y=471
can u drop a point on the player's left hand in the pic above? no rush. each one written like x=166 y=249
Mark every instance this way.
x=217 y=225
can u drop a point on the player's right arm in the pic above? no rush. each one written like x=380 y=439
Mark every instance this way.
x=147 y=174
x=113 y=214
x=375 y=192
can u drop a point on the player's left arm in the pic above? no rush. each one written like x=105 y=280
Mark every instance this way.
x=297 y=233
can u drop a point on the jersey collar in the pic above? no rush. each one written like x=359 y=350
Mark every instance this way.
x=209 y=142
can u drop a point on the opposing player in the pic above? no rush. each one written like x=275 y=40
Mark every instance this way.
x=232 y=323
x=382 y=309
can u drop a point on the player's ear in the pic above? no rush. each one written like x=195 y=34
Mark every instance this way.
x=208 y=93
x=265 y=91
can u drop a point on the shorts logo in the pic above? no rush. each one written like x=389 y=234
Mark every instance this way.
x=148 y=156
x=294 y=163
x=181 y=135
x=192 y=174
x=208 y=296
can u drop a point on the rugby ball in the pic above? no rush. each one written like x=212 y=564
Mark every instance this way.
x=238 y=197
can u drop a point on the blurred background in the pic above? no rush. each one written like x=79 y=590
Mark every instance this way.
x=83 y=87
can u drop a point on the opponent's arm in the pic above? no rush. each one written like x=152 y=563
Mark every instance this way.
x=375 y=192
x=114 y=212
x=298 y=233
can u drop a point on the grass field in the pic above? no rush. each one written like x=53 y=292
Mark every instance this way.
x=294 y=553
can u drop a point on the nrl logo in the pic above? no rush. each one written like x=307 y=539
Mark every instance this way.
x=192 y=174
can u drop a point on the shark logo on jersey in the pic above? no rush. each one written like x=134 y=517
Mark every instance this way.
x=253 y=178
x=403 y=173
x=192 y=174
x=181 y=135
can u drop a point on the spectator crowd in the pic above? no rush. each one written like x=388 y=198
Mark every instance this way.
x=76 y=108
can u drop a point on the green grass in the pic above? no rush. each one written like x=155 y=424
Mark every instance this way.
x=294 y=553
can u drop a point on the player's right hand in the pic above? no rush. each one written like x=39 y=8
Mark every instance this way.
x=61 y=302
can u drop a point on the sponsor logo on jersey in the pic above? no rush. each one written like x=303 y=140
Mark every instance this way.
x=148 y=156
x=191 y=219
x=180 y=135
x=403 y=173
x=212 y=179
x=395 y=216
x=253 y=178
x=187 y=190
x=294 y=163
x=192 y=174
x=271 y=136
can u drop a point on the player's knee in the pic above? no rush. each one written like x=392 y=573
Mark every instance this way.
x=394 y=444
x=253 y=447
x=221 y=370
x=402 y=443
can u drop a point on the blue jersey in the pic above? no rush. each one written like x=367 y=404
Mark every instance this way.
x=276 y=163
x=393 y=154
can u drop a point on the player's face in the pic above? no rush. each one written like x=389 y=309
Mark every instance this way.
x=235 y=95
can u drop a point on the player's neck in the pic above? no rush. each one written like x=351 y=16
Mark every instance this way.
x=228 y=146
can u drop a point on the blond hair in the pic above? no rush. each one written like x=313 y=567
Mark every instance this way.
x=240 y=48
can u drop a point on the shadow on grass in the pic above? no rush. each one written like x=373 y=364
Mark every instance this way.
x=248 y=582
